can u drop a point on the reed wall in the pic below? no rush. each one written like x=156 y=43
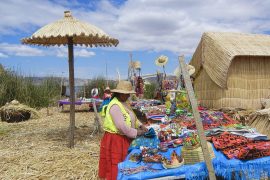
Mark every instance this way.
x=248 y=81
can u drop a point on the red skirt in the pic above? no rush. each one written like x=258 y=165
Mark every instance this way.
x=113 y=150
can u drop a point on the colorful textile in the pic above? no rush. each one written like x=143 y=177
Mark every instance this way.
x=104 y=103
x=169 y=84
x=235 y=169
x=226 y=140
x=144 y=141
x=156 y=117
x=139 y=84
x=241 y=131
x=210 y=120
x=225 y=168
x=249 y=151
x=113 y=150
x=239 y=147
x=150 y=133
x=197 y=171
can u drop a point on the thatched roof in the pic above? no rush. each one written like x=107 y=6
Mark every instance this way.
x=216 y=51
x=82 y=33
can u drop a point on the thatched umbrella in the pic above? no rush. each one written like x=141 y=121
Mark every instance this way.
x=70 y=31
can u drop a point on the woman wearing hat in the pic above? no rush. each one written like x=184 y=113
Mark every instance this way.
x=120 y=126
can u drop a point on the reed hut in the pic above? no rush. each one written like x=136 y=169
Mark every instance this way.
x=232 y=70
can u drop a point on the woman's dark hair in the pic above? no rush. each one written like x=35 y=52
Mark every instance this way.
x=115 y=95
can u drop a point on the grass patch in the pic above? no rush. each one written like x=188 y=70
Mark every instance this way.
x=4 y=130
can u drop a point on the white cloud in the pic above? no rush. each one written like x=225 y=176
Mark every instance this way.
x=19 y=50
x=84 y=53
x=78 y=52
x=2 y=55
x=22 y=15
x=152 y=25
x=177 y=25
x=7 y=49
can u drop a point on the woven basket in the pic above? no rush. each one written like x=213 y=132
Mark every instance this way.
x=193 y=156
x=166 y=166
x=192 y=147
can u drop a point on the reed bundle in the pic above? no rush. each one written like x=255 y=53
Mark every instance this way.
x=14 y=111
x=261 y=121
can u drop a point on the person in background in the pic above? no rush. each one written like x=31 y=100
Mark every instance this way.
x=121 y=126
x=94 y=93
x=106 y=98
x=107 y=94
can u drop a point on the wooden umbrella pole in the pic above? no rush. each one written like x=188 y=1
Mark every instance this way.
x=197 y=117
x=72 y=92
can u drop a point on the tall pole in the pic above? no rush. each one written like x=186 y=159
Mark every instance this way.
x=197 y=117
x=61 y=85
x=72 y=92
x=84 y=93
x=130 y=72
x=107 y=75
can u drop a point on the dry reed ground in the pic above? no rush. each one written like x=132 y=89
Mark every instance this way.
x=37 y=148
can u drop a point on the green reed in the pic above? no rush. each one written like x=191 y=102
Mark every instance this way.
x=26 y=91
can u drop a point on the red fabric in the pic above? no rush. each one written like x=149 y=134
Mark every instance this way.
x=113 y=150
x=234 y=146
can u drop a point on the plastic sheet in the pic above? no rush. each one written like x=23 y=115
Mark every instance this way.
x=228 y=169
x=196 y=171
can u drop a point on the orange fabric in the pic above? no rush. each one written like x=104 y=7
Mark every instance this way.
x=113 y=150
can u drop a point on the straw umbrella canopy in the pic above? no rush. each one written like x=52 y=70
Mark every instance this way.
x=70 y=31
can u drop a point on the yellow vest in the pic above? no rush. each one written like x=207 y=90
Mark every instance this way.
x=108 y=124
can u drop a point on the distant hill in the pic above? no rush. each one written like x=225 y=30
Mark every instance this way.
x=153 y=79
x=82 y=82
x=65 y=81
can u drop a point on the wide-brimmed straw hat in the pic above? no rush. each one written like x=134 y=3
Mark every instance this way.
x=124 y=87
x=190 y=68
x=161 y=60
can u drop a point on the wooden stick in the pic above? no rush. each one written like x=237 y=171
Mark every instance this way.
x=72 y=92
x=197 y=117
x=98 y=121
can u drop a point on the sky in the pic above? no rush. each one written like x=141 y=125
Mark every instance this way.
x=146 y=29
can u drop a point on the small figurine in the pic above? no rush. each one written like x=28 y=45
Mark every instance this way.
x=175 y=161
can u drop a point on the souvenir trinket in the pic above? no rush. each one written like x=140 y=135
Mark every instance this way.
x=150 y=155
x=175 y=161
x=136 y=157
x=177 y=142
x=163 y=148
x=191 y=140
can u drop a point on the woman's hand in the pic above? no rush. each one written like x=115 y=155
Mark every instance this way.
x=140 y=132
x=142 y=127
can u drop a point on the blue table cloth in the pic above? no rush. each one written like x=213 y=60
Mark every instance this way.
x=228 y=169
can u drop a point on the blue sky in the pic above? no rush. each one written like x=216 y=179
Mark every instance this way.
x=145 y=28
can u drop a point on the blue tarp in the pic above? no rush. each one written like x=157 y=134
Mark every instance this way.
x=196 y=171
x=223 y=167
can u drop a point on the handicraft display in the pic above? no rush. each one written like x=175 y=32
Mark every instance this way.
x=151 y=155
x=174 y=162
